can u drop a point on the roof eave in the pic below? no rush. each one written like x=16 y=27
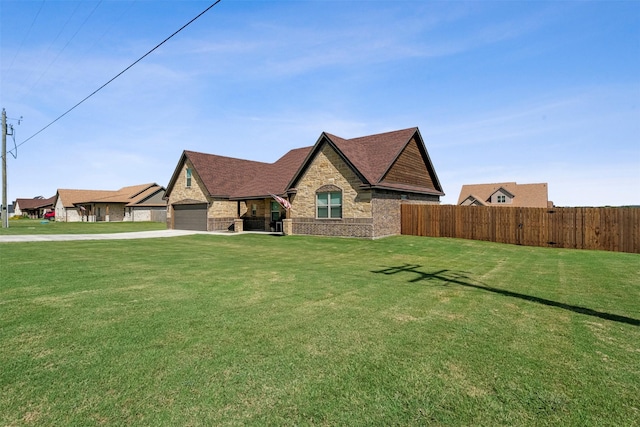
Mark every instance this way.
x=428 y=191
x=174 y=176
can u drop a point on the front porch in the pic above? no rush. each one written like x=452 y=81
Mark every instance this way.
x=284 y=227
x=263 y=215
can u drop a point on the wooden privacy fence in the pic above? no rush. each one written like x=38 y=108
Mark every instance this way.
x=609 y=229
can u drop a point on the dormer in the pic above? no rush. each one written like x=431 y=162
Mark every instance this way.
x=501 y=197
x=472 y=200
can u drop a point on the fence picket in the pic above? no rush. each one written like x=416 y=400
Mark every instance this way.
x=610 y=229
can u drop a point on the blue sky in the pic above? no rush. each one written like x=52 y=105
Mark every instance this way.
x=501 y=91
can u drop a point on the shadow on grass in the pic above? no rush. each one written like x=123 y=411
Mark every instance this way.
x=457 y=278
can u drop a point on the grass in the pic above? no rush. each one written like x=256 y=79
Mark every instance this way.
x=263 y=330
x=41 y=226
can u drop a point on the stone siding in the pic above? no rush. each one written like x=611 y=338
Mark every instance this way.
x=386 y=210
x=182 y=192
x=219 y=224
x=111 y=212
x=327 y=168
x=152 y=213
x=221 y=214
x=221 y=208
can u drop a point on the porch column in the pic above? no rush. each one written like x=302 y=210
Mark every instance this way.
x=238 y=225
x=287 y=227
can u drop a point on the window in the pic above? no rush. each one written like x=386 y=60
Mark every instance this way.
x=254 y=209
x=275 y=211
x=188 y=177
x=502 y=198
x=329 y=204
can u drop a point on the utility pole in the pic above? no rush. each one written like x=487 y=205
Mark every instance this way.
x=5 y=210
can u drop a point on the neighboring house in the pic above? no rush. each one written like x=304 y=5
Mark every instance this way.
x=337 y=187
x=10 y=210
x=33 y=208
x=143 y=202
x=505 y=194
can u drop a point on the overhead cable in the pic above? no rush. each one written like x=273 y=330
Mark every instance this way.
x=120 y=73
x=25 y=36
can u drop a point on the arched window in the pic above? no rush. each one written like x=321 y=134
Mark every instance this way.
x=329 y=202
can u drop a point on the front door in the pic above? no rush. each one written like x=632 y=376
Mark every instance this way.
x=276 y=216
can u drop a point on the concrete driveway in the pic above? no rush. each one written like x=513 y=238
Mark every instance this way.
x=111 y=236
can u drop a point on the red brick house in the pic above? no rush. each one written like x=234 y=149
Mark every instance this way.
x=337 y=187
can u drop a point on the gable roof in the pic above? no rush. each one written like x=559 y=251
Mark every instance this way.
x=473 y=200
x=233 y=178
x=223 y=175
x=524 y=195
x=371 y=157
x=504 y=191
x=128 y=195
x=35 y=203
x=275 y=177
x=146 y=197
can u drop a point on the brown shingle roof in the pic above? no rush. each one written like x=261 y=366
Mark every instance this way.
x=128 y=195
x=140 y=199
x=221 y=175
x=525 y=195
x=372 y=155
x=70 y=197
x=35 y=203
x=238 y=178
x=275 y=176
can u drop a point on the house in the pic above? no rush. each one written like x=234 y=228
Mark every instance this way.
x=10 y=210
x=337 y=187
x=505 y=194
x=143 y=202
x=33 y=208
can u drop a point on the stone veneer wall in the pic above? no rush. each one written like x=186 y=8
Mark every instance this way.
x=327 y=168
x=180 y=191
x=219 y=224
x=66 y=215
x=113 y=211
x=386 y=210
x=221 y=214
x=146 y=213
x=365 y=213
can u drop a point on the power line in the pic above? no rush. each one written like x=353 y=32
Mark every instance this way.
x=25 y=36
x=120 y=73
x=68 y=41
x=55 y=39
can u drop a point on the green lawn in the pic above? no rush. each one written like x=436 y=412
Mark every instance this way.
x=263 y=330
x=42 y=226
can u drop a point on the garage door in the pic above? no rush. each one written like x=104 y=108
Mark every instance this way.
x=190 y=217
